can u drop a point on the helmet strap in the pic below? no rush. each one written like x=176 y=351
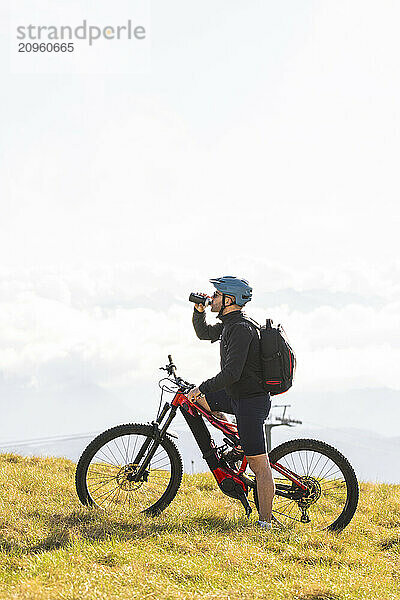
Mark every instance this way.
x=223 y=306
x=221 y=310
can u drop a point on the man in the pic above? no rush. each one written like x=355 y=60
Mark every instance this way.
x=236 y=389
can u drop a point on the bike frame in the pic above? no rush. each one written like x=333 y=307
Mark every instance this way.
x=193 y=412
x=231 y=432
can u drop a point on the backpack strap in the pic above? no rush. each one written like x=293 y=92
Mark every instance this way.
x=258 y=330
x=252 y=321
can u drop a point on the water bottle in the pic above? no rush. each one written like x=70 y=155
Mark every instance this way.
x=200 y=299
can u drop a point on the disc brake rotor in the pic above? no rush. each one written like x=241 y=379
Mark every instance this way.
x=125 y=478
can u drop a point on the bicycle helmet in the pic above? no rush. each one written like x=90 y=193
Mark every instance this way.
x=233 y=286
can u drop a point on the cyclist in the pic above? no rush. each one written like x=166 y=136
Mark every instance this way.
x=236 y=389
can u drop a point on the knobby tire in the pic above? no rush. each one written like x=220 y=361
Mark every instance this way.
x=134 y=429
x=277 y=454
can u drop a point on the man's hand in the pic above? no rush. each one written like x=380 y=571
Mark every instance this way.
x=201 y=307
x=193 y=394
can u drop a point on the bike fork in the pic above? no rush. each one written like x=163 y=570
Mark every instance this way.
x=154 y=443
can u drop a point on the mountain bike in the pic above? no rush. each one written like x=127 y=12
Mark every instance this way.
x=137 y=467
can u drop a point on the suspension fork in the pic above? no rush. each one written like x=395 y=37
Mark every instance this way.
x=150 y=445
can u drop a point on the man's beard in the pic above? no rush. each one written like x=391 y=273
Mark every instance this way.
x=214 y=307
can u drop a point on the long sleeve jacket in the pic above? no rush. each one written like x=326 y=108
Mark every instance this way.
x=240 y=354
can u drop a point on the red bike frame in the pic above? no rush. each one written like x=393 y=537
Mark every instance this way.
x=231 y=432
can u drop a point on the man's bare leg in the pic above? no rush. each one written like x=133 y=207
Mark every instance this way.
x=261 y=468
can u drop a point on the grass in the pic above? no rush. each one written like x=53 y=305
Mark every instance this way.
x=202 y=546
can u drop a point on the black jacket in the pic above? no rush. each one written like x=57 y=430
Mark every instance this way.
x=240 y=354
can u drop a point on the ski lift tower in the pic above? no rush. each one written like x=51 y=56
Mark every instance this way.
x=283 y=420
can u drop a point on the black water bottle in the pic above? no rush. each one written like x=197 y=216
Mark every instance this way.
x=200 y=299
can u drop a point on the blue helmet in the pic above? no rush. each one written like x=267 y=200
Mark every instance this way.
x=233 y=286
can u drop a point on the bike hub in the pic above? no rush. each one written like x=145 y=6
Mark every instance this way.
x=309 y=498
x=127 y=476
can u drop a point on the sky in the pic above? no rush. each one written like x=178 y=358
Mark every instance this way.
x=263 y=142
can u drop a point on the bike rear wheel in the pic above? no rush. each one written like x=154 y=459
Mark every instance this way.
x=333 y=488
x=105 y=472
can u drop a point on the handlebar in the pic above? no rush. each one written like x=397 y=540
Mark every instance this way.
x=171 y=370
x=171 y=365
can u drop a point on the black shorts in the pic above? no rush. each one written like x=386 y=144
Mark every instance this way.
x=250 y=415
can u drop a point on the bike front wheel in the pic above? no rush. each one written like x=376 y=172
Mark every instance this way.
x=105 y=474
x=332 y=496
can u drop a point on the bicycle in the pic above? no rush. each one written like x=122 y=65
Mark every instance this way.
x=138 y=467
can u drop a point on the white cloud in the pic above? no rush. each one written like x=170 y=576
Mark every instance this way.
x=110 y=322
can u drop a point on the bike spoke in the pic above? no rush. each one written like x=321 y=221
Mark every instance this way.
x=312 y=460
x=329 y=472
x=134 y=449
x=119 y=450
x=123 y=454
x=153 y=462
x=108 y=493
x=303 y=469
x=127 y=450
x=294 y=466
x=103 y=484
x=316 y=464
x=307 y=463
x=113 y=455
x=157 y=463
x=107 y=462
x=108 y=458
x=96 y=473
x=319 y=476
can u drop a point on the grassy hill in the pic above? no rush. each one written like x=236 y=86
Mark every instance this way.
x=202 y=546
